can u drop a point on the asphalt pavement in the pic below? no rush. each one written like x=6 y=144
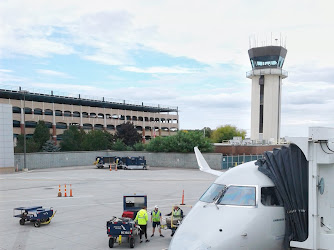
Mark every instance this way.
x=80 y=221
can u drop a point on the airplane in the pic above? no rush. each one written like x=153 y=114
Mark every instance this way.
x=230 y=212
x=241 y=208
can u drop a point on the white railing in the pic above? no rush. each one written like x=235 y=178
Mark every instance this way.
x=273 y=71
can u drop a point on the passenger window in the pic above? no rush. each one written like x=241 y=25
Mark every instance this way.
x=269 y=197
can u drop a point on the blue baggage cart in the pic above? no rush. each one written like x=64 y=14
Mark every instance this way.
x=118 y=228
x=37 y=215
x=126 y=227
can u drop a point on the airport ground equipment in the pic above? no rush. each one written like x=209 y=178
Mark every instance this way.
x=102 y=161
x=126 y=227
x=37 y=215
x=134 y=163
x=118 y=228
x=132 y=204
x=137 y=162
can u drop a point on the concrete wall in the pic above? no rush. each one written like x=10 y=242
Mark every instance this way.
x=67 y=159
x=271 y=106
x=6 y=139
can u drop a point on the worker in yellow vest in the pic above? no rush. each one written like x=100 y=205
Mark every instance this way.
x=177 y=215
x=142 y=219
x=156 y=220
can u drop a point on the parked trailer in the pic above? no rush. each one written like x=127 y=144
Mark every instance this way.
x=38 y=215
x=134 y=163
x=138 y=162
x=105 y=161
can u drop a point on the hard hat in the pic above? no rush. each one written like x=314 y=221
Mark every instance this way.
x=156 y=206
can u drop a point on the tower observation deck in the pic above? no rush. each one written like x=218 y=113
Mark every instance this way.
x=266 y=75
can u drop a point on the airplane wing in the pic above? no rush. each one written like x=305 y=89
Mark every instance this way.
x=203 y=165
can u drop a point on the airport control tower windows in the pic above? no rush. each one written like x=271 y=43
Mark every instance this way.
x=280 y=62
x=267 y=61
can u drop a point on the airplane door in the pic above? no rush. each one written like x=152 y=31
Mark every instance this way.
x=274 y=211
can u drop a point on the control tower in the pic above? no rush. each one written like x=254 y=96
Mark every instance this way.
x=266 y=75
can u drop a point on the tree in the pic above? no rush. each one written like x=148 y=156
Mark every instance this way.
x=207 y=132
x=156 y=145
x=128 y=134
x=41 y=135
x=227 y=132
x=119 y=145
x=49 y=146
x=72 y=139
x=96 y=140
x=183 y=141
x=139 y=146
x=31 y=145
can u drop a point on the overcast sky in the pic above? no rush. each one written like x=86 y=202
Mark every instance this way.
x=190 y=54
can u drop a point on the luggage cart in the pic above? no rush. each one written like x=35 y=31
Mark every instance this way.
x=38 y=215
x=118 y=228
x=126 y=227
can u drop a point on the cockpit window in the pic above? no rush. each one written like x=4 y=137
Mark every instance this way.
x=212 y=193
x=239 y=196
x=269 y=197
x=230 y=195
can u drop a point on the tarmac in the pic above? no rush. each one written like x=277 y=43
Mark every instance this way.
x=80 y=221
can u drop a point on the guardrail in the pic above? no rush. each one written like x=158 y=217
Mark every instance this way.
x=41 y=92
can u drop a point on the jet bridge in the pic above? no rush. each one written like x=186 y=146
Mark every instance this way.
x=305 y=181
x=319 y=151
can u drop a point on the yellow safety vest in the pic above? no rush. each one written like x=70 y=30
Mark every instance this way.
x=142 y=217
x=156 y=216
x=177 y=214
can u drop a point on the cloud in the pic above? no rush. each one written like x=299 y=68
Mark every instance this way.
x=110 y=33
x=53 y=73
x=10 y=80
x=160 y=70
x=106 y=59
x=6 y=71
x=208 y=33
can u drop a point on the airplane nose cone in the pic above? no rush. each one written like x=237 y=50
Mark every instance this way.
x=201 y=229
x=187 y=241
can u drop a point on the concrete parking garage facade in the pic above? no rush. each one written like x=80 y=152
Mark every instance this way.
x=60 y=112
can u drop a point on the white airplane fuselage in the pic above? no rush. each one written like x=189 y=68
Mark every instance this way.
x=252 y=222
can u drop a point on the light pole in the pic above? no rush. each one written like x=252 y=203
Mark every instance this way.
x=24 y=92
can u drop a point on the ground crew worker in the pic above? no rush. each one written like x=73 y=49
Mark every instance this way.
x=177 y=215
x=156 y=220
x=142 y=219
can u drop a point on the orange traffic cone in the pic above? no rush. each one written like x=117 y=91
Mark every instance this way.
x=59 y=192
x=182 y=198
x=109 y=167
x=71 y=190
x=65 y=195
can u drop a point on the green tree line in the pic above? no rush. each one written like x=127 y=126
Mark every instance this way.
x=125 y=138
